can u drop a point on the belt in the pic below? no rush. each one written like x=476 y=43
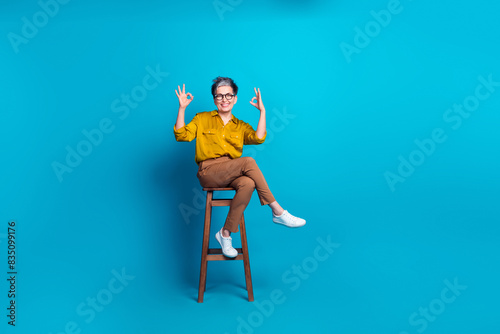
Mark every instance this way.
x=208 y=162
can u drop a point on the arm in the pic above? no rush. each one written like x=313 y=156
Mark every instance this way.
x=180 y=118
x=184 y=101
x=182 y=131
x=261 y=127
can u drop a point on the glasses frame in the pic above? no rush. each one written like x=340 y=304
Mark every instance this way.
x=228 y=97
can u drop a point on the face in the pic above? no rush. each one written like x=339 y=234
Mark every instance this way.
x=225 y=106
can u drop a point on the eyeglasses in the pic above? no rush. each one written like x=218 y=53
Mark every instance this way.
x=228 y=96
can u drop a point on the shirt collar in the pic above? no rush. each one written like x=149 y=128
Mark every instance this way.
x=216 y=113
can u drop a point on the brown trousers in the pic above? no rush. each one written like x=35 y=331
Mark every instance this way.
x=243 y=175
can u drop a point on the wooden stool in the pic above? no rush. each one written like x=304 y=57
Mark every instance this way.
x=215 y=254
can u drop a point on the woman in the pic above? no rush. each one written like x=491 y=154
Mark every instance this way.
x=219 y=144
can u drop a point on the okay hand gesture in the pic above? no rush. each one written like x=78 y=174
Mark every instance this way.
x=259 y=105
x=183 y=97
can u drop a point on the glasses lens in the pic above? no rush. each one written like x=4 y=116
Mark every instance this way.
x=219 y=97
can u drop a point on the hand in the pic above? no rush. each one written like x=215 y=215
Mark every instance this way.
x=184 y=101
x=259 y=105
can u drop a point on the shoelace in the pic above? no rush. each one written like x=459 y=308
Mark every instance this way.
x=226 y=243
x=292 y=218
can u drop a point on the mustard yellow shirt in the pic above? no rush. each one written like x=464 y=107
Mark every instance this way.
x=214 y=139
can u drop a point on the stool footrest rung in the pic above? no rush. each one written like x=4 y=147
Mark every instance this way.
x=219 y=251
x=221 y=202
x=215 y=254
x=220 y=257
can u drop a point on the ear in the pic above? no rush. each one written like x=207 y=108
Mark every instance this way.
x=235 y=99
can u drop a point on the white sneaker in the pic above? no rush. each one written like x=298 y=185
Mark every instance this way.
x=288 y=220
x=226 y=245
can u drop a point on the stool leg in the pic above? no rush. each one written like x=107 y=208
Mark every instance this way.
x=246 y=259
x=204 y=248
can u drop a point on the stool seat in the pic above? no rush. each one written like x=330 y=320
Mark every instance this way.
x=215 y=254
x=217 y=189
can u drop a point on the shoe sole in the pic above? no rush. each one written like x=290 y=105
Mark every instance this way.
x=295 y=226
x=220 y=243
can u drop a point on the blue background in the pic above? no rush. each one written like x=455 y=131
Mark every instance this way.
x=349 y=119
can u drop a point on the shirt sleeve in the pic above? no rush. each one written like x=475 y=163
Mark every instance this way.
x=250 y=136
x=187 y=132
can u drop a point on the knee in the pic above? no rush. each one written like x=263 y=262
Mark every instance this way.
x=249 y=161
x=246 y=183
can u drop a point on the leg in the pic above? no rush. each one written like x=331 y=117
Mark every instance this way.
x=277 y=209
x=249 y=168
x=224 y=173
x=244 y=188
x=246 y=260
x=280 y=216
x=204 y=248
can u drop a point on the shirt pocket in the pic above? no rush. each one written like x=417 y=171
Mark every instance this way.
x=236 y=140
x=209 y=132
x=209 y=137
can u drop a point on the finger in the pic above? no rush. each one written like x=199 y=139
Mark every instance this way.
x=176 y=93
x=253 y=98
x=183 y=88
x=191 y=95
x=255 y=89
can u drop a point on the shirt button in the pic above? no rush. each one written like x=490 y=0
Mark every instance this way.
x=222 y=135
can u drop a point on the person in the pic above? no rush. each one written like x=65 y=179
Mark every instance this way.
x=219 y=145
